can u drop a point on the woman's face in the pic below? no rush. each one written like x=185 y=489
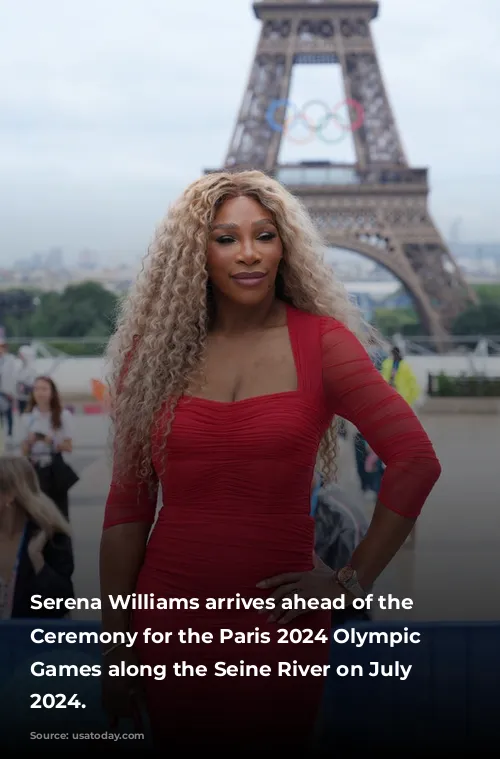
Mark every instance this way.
x=244 y=251
x=42 y=393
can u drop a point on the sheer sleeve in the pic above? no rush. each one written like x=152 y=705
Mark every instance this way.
x=131 y=498
x=356 y=391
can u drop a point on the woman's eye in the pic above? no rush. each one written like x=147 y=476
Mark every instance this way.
x=266 y=236
x=225 y=239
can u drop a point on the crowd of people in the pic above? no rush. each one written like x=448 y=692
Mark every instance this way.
x=36 y=553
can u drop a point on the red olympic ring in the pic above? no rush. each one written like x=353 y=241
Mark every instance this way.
x=359 y=110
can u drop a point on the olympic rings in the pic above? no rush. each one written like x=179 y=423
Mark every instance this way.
x=315 y=129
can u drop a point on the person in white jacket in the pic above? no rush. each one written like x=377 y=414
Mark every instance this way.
x=26 y=376
x=8 y=379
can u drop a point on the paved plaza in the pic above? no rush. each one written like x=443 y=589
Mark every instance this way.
x=451 y=571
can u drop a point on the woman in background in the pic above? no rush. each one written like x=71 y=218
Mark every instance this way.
x=233 y=356
x=48 y=435
x=35 y=547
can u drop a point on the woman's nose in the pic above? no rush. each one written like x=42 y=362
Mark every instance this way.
x=249 y=252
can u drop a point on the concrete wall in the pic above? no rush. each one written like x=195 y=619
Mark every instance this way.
x=73 y=375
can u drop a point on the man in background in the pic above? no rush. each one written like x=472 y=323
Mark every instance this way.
x=399 y=374
x=8 y=376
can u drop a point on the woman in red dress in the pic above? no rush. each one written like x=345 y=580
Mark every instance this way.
x=232 y=359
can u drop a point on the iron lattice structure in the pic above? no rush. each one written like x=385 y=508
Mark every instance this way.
x=378 y=206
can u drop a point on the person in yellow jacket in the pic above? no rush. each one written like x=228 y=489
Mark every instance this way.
x=398 y=373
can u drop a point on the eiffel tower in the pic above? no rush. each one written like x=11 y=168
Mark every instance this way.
x=377 y=206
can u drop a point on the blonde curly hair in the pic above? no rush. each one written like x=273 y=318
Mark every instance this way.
x=159 y=345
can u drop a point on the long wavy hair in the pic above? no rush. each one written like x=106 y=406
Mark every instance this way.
x=18 y=479
x=159 y=344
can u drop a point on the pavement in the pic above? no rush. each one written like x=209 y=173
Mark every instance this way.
x=450 y=570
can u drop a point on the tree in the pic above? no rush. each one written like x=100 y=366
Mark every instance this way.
x=483 y=319
x=488 y=294
x=390 y=321
x=82 y=310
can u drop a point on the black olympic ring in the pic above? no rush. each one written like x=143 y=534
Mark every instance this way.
x=315 y=129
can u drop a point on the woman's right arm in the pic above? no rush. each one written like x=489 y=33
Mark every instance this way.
x=129 y=515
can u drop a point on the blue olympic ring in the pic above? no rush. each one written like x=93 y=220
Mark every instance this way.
x=314 y=129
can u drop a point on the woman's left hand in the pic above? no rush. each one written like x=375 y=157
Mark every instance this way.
x=318 y=583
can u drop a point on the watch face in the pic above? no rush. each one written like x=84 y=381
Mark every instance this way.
x=345 y=575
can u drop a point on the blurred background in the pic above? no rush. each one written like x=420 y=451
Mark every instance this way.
x=108 y=110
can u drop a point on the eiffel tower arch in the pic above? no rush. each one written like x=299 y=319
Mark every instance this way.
x=378 y=206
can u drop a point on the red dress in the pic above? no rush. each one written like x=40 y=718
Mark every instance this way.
x=236 y=500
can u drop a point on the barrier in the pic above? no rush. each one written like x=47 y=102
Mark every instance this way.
x=451 y=699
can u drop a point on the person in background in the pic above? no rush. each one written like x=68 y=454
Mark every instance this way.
x=8 y=372
x=399 y=374
x=35 y=547
x=341 y=525
x=368 y=465
x=48 y=435
x=369 y=470
x=26 y=376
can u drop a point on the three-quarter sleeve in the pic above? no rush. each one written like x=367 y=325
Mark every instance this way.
x=356 y=391
x=131 y=498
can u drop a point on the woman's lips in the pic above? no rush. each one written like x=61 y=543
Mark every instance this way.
x=249 y=279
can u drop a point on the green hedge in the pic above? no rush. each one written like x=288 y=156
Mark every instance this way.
x=463 y=386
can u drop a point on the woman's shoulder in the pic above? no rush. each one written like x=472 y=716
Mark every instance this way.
x=318 y=320
x=331 y=332
x=66 y=416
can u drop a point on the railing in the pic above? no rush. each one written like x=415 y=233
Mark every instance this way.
x=323 y=173
x=457 y=345
x=418 y=345
x=331 y=175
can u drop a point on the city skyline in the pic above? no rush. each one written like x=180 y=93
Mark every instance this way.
x=100 y=131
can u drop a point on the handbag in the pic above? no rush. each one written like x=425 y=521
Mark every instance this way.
x=63 y=475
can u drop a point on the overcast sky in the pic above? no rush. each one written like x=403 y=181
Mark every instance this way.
x=109 y=107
